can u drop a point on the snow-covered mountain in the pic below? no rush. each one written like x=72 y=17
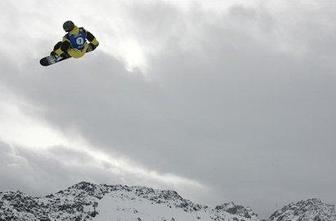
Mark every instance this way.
x=87 y=201
x=308 y=210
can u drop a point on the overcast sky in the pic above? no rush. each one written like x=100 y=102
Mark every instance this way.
x=222 y=102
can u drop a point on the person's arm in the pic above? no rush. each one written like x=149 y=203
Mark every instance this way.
x=92 y=39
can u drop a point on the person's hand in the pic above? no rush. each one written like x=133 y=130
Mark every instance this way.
x=91 y=47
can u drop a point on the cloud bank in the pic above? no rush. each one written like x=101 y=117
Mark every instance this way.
x=229 y=101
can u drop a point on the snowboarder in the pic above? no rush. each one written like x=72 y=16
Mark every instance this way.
x=74 y=44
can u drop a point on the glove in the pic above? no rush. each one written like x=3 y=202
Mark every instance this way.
x=91 y=47
x=53 y=54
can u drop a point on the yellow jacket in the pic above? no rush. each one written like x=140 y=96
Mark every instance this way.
x=67 y=48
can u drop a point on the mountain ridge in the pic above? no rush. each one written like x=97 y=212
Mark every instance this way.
x=87 y=201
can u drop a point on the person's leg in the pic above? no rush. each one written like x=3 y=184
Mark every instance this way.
x=58 y=52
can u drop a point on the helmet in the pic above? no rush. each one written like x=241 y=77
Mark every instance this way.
x=68 y=26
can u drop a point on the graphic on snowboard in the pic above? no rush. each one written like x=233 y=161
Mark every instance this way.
x=75 y=44
x=49 y=60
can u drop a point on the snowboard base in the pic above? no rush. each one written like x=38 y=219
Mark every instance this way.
x=49 y=60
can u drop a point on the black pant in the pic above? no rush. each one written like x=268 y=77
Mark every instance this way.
x=58 y=46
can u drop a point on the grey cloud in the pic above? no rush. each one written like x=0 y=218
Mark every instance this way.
x=46 y=171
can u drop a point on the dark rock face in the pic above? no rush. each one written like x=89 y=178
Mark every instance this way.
x=13 y=203
x=237 y=210
x=68 y=204
x=307 y=210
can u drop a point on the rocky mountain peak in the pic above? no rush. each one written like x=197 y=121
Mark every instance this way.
x=240 y=210
x=311 y=209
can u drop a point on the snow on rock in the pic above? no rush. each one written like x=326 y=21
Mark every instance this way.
x=87 y=201
x=308 y=210
x=238 y=210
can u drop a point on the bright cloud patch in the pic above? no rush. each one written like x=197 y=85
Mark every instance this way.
x=22 y=130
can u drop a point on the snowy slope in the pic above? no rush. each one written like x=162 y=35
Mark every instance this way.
x=159 y=205
x=308 y=210
x=87 y=201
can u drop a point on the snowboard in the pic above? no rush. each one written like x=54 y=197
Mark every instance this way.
x=49 y=60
